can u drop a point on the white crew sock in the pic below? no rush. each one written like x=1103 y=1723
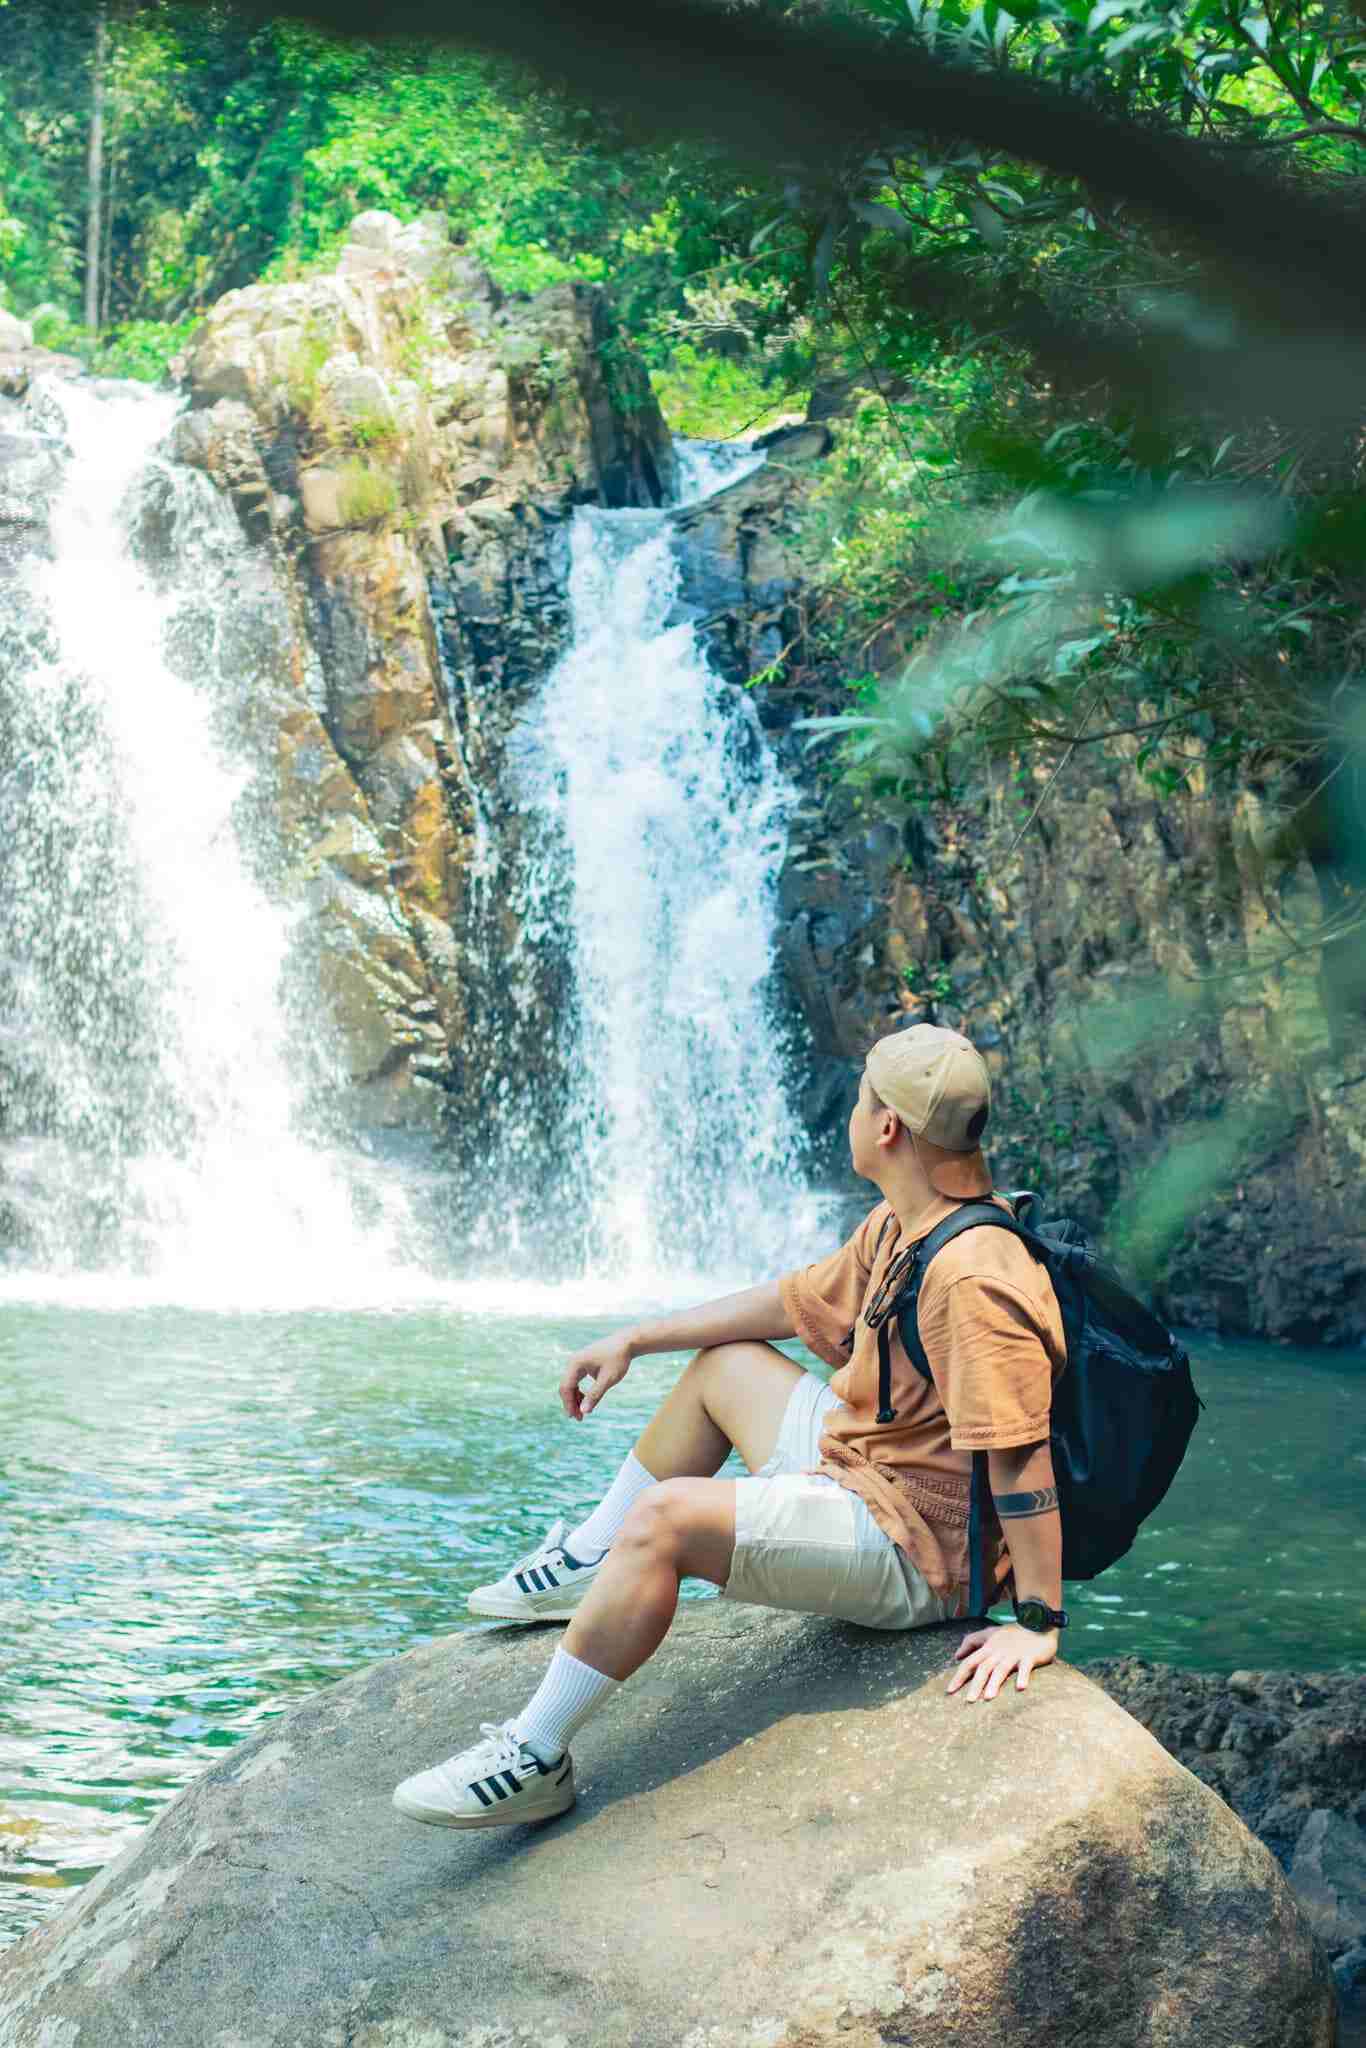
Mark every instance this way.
x=603 y=1526
x=567 y=1696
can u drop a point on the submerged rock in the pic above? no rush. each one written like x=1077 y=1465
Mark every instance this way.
x=787 y=1834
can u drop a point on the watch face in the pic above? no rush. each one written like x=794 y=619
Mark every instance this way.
x=1034 y=1615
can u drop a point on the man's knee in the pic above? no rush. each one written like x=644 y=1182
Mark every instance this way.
x=722 y=1361
x=661 y=1520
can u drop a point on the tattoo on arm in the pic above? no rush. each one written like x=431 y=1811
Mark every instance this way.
x=1017 y=1506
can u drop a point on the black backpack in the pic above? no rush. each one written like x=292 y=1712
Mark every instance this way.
x=1123 y=1408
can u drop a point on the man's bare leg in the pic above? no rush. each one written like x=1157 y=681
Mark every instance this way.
x=521 y=1771
x=729 y=1395
x=683 y=1528
x=732 y=1394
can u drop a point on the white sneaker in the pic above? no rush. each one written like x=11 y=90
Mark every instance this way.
x=545 y=1585
x=495 y=1784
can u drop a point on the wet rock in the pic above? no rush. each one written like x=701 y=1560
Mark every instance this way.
x=15 y=335
x=1276 y=1745
x=787 y=1834
x=22 y=363
x=804 y=441
x=1349 y=1976
x=1329 y=1876
x=222 y=441
x=735 y=577
x=30 y=477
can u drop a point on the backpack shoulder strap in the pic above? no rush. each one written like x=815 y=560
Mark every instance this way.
x=968 y=1217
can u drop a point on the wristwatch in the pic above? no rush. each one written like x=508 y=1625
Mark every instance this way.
x=1038 y=1616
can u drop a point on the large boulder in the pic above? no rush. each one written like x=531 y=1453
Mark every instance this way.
x=787 y=1833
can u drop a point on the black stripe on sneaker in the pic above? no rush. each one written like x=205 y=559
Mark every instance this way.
x=535 y=1578
x=549 y=1576
x=521 y=1582
x=496 y=1787
x=513 y=1784
x=564 y=1774
x=480 y=1794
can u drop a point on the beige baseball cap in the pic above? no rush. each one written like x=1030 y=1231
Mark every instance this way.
x=938 y=1084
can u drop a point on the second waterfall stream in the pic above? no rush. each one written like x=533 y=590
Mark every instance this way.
x=672 y=814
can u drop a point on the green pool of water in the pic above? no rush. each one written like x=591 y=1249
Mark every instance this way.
x=207 y=1515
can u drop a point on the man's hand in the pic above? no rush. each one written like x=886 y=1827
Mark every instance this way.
x=991 y=1655
x=604 y=1363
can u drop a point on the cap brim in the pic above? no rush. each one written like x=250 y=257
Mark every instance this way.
x=959 y=1174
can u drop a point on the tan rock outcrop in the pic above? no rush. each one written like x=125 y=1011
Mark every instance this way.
x=404 y=443
x=787 y=1834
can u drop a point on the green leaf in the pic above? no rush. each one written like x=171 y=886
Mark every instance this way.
x=1073 y=652
x=1142 y=32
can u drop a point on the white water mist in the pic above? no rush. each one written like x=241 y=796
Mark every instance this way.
x=218 y=1197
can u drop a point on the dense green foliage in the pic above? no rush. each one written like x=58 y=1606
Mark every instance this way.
x=236 y=152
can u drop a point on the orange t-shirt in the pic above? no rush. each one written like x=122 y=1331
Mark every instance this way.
x=992 y=1332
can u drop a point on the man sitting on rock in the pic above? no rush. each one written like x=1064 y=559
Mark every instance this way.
x=857 y=1506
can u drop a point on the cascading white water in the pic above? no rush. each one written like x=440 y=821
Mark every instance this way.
x=183 y=1140
x=152 y=1146
x=672 y=811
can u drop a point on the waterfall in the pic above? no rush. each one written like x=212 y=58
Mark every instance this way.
x=160 y=1136
x=153 y=1084
x=669 y=814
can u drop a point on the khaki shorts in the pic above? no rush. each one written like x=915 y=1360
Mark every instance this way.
x=805 y=1541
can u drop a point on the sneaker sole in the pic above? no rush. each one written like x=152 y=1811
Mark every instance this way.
x=507 y=1610
x=492 y=1819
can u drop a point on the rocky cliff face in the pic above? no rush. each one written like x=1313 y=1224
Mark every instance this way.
x=405 y=447
x=1105 y=958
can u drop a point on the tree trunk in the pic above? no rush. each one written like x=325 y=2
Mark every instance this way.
x=95 y=172
x=107 y=280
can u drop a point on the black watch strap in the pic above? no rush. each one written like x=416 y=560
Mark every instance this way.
x=1038 y=1616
